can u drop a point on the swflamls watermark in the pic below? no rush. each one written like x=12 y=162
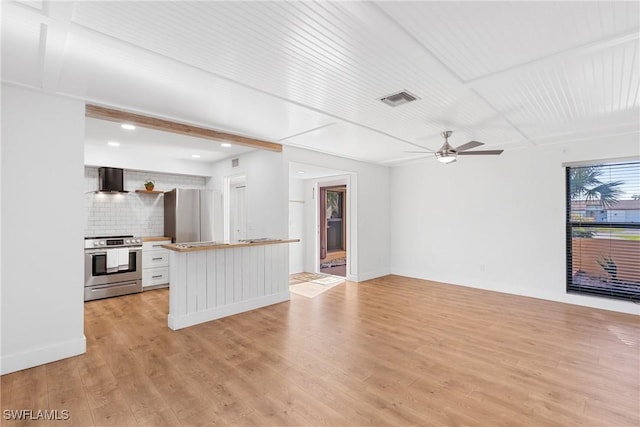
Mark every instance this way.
x=36 y=414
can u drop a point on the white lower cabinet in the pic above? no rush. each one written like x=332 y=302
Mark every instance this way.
x=155 y=264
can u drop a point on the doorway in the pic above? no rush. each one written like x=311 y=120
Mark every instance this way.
x=305 y=183
x=236 y=208
x=333 y=230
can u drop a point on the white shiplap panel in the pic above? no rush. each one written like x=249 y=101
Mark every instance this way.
x=177 y=274
x=229 y=277
x=212 y=281
x=249 y=274
x=476 y=38
x=268 y=269
x=201 y=281
x=284 y=280
x=498 y=72
x=209 y=269
x=238 y=294
x=172 y=90
x=220 y=274
x=280 y=270
x=260 y=267
x=570 y=92
x=191 y=283
x=289 y=55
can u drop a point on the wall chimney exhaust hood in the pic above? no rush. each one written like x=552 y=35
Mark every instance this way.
x=110 y=180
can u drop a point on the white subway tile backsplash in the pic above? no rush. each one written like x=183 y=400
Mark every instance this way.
x=134 y=213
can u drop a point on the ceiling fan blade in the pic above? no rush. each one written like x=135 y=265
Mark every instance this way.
x=468 y=145
x=420 y=152
x=480 y=153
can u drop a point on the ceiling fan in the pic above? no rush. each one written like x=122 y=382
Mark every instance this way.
x=448 y=154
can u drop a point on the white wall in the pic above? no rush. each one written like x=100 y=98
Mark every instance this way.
x=496 y=223
x=42 y=228
x=296 y=225
x=370 y=238
x=267 y=191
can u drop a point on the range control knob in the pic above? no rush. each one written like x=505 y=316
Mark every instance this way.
x=137 y=240
x=127 y=241
x=96 y=243
x=102 y=243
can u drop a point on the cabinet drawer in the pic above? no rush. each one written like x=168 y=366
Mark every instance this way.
x=152 y=259
x=155 y=276
x=154 y=246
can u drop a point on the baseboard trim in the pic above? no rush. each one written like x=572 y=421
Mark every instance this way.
x=153 y=287
x=40 y=356
x=184 y=321
x=592 y=301
x=361 y=277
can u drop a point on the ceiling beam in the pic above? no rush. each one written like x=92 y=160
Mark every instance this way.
x=97 y=112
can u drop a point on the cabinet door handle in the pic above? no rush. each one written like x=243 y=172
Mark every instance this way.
x=155 y=259
x=156 y=277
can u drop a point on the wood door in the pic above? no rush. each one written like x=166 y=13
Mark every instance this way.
x=323 y=223
x=332 y=214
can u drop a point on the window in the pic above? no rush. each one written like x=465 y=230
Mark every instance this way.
x=603 y=230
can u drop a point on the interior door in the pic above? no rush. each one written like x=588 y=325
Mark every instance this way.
x=238 y=214
x=323 y=223
x=335 y=220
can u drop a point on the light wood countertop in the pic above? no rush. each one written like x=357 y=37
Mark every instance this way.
x=155 y=238
x=205 y=246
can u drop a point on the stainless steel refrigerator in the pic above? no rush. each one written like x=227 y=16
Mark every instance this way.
x=193 y=215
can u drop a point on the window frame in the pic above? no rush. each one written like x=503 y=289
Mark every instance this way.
x=572 y=288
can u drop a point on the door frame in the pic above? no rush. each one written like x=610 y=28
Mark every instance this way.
x=323 y=218
x=349 y=181
x=228 y=181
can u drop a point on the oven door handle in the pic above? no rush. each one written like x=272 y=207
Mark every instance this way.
x=96 y=252
x=112 y=285
x=102 y=252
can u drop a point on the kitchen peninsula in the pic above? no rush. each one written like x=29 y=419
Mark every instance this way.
x=210 y=280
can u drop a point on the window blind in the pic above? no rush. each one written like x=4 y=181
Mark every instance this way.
x=603 y=230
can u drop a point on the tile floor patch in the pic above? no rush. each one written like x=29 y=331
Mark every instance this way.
x=328 y=280
x=311 y=285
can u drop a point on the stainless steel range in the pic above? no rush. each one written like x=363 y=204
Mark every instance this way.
x=112 y=266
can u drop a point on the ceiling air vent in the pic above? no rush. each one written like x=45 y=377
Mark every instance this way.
x=398 y=98
x=235 y=162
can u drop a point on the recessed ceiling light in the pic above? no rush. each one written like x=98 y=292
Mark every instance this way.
x=300 y=171
x=127 y=126
x=113 y=143
x=225 y=144
x=195 y=156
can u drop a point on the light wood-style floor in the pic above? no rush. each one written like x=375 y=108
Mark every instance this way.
x=391 y=351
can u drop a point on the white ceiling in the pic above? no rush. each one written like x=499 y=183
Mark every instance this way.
x=145 y=142
x=310 y=74
x=307 y=171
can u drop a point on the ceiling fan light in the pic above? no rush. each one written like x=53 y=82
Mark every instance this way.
x=446 y=157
